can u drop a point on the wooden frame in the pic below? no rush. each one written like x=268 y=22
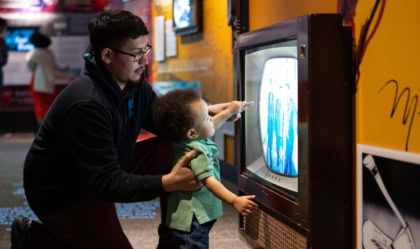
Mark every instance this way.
x=325 y=109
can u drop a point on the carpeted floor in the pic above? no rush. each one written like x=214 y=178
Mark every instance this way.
x=139 y=220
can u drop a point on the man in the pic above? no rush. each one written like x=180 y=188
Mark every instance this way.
x=79 y=162
x=3 y=53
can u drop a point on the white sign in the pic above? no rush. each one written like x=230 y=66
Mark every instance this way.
x=163 y=2
x=170 y=39
x=159 y=38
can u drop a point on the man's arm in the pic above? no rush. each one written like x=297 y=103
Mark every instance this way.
x=87 y=135
x=181 y=177
x=3 y=52
x=242 y=204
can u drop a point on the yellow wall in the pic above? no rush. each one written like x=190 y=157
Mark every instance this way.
x=211 y=49
x=391 y=55
x=268 y=12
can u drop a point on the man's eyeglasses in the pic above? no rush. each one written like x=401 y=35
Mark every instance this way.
x=138 y=56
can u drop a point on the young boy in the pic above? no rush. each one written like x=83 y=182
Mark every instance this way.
x=182 y=115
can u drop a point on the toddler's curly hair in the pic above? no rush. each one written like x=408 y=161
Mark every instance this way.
x=172 y=113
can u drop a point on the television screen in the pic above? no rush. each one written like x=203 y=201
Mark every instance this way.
x=290 y=151
x=17 y=38
x=278 y=115
x=182 y=13
x=271 y=82
x=187 y=16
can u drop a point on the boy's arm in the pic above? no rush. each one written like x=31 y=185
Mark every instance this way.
x=216 y=108
x=234 y=108
x=241 y=203
x=221 y=117
x=219 y=190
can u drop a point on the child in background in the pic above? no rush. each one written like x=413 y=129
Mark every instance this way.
x=42 y=63
x=182 y=116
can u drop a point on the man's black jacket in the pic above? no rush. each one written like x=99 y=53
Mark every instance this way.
x=85 y=143
x=3 y=52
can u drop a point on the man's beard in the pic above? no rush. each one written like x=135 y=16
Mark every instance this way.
x=136 y=82
x=131 y=82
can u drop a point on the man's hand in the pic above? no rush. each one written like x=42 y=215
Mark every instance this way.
x=244 y=205
x=181 y=177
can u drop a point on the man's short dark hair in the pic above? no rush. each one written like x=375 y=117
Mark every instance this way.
x=39 y=40
x=172 y=113
x=111 y=29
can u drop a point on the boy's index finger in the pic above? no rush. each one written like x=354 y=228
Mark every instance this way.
x=249 y=103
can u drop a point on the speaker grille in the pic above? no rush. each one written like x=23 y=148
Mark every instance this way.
x=271 y=233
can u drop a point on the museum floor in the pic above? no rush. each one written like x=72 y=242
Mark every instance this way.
x=139 y=220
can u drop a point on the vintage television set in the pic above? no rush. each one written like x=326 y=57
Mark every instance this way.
x=294 y=146
x=17 y=38
x=187 y=16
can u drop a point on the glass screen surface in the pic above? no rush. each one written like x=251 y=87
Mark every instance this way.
x=182 y=13
x=271 y=125
x=17 y=39
x=278 y=115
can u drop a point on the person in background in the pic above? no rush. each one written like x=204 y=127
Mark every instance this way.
x=3 y=53
x=85 y=158
x=42 y=63
x=183 y=117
